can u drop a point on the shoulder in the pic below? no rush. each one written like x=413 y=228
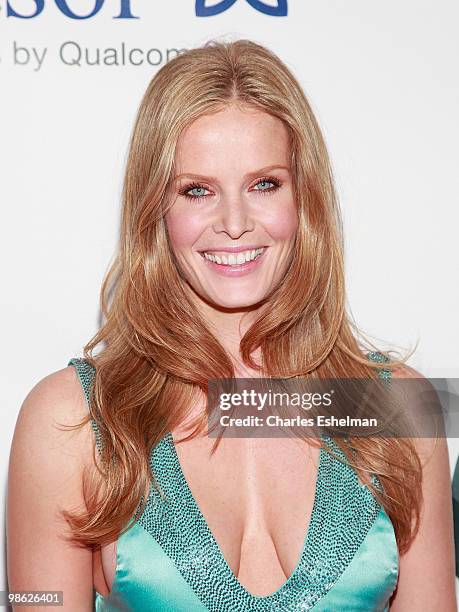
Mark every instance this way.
x=58 y=386
x=432 y=550
x=45 y=475
x=57 y=395
x=56 y=400
x=425 y=446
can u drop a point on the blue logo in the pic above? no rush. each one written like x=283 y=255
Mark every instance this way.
x=202 y=10
x=62 y=5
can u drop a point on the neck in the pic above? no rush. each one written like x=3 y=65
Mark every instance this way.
x=229 y=326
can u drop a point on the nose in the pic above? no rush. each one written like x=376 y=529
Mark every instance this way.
x=233 y=217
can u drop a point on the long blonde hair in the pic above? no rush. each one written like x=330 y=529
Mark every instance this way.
x=145 y=381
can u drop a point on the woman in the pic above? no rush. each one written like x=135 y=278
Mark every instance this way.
x=230 y=265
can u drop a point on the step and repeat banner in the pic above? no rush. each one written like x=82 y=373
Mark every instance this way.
x=382 y=78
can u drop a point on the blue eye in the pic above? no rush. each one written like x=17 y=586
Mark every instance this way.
x=269 y=185
x=194 y=187
x=266 y=181
x=198 y=189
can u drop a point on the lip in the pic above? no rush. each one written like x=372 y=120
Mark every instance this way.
x=235 y=270
x=238 y=249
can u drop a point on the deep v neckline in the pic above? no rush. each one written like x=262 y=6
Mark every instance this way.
x=343 y=513
x=318 y=491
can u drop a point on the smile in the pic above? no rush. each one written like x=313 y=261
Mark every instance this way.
x=233 y=259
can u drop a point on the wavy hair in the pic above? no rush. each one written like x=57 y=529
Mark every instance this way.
x=145 y=381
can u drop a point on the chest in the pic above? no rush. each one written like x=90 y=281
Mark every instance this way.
x=171 y=556
x=256 y=498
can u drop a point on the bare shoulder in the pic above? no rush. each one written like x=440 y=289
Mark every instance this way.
x=57 y=399
x=45 y=477
x=432 y=551
x=427 y=444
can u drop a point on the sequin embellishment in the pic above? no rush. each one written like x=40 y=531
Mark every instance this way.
x=343 y=513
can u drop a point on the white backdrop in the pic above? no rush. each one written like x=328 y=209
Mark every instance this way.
x=382 y=78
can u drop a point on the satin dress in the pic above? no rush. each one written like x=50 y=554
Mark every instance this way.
x=169 y=561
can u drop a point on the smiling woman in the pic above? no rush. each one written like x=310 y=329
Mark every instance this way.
x=233 y=213
x=230 y=265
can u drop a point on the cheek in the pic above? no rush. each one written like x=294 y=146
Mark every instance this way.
x=282 y=220
x=184 y=227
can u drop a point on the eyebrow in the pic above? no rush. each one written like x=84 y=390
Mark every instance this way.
x=255 y=173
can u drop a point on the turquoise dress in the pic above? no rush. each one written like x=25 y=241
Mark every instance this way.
x=169 y=561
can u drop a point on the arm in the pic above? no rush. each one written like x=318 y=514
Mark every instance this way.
x=427 y=569
x=44 y=476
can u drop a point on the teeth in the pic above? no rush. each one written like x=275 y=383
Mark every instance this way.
x=234 y=259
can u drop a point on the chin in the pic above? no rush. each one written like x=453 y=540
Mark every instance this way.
x=236 y=301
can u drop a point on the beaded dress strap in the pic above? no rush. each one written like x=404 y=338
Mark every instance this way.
x=86 y=374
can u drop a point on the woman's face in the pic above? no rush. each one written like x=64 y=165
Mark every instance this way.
x=233 y=220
